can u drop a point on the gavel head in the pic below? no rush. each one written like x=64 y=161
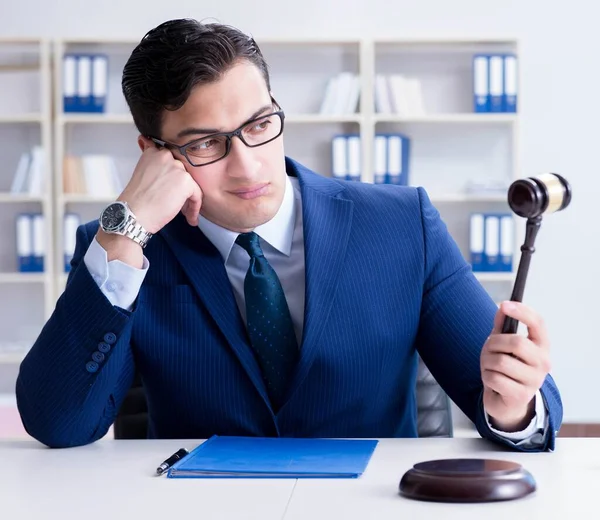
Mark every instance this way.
x=536 y=196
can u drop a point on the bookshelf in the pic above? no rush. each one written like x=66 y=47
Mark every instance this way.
x=451 y=145
x=26 y=298
x=453 y=148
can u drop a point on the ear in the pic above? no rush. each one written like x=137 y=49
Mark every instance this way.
x=144 y=143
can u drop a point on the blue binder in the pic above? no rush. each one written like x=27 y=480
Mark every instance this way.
x=481 y=83
x=510 y=83
x=496 y=83
x=398 y=159
x=275 y=457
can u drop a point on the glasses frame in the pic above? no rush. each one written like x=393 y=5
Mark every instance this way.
x=229 y=135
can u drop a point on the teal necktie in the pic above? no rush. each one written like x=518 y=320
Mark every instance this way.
x=268 y=320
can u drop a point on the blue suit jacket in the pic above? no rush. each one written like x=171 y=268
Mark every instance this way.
x=384 y=280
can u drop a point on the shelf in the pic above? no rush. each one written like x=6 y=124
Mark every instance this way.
x=448 y=118
x=323 y=118
x=82 y=198
x=127 y=119
x=463 y=197
x=9 y=197
x=21 y=118
x=22 y=278
x=95 y=118
x=495 y=277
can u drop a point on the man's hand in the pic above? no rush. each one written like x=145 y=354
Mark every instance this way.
x=513 y=368
x=159 y=188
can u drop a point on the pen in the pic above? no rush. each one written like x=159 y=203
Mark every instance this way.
x=171 y=460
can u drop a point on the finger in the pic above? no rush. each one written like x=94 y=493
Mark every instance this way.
x=179 y=164
x=505 y=386
x=498 y=321
x=510 y=367
x=193 y=205
x=185 y=209
x=526 y=315
x=516 y=345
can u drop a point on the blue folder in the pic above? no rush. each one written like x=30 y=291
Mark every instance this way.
x=275 y=457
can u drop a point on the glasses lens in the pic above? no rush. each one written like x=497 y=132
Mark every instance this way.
x=262 y=130
x=206 y=150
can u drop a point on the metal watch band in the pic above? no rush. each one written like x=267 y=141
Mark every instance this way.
x=136 y=232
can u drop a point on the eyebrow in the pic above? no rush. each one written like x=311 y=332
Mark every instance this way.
x=194 y=131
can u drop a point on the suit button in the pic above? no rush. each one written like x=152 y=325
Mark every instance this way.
x=98 y=357
x=104 y=347
x=110 y=338
x=91 y=366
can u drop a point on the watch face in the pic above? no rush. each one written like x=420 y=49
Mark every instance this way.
x=113 y=217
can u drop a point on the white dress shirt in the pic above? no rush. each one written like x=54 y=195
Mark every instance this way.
x=282 y=242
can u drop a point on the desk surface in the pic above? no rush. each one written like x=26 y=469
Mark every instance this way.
x=111 y=480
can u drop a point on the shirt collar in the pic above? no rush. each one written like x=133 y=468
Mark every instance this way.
x=278 y=232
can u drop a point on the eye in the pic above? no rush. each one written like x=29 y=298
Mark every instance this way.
x=261 y=126
x=202 y=146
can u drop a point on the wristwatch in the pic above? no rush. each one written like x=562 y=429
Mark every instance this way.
x=118 y=219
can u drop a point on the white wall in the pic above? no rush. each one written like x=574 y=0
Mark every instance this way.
x=559 y=106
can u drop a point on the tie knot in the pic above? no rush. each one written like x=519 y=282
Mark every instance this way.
x=249 y=241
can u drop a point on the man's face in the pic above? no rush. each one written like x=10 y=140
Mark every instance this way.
x=245 y=189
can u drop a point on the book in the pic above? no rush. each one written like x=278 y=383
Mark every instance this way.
x=275 y=457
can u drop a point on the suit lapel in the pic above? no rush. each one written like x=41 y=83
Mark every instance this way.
x=327 y=221
x=204 y=266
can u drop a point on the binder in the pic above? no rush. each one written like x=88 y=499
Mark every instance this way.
x=398 y=150
x=510 y=83
x=506 y=242
x=380 y=159
x=481 y=81
x=354 y=157
x=492 y=243
x=496 y=83
x=99 y=82
x=84 y=83
x=476 y=242
x=70 y=83
x=38 y=242
x=275 y=457
x=339 y=156
x=24 y=238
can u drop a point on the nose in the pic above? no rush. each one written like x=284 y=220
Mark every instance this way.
x=243 y=162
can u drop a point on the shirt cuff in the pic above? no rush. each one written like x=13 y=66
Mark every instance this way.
x=118 y=281
x=532 y=431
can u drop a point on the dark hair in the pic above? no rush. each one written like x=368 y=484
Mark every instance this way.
x=176 y=56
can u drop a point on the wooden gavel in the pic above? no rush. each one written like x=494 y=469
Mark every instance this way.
x=532 y=198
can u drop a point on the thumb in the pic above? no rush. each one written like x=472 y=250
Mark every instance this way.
x=498 y=321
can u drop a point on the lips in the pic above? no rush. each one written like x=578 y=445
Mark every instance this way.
x=251 y=192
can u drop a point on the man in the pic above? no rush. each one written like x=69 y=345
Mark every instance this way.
x=255 y=297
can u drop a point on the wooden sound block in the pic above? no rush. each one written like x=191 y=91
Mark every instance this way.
x=466 y=480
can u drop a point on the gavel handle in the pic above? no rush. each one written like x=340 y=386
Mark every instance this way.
x=511 y=325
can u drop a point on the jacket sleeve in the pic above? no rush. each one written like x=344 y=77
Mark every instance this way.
x=73 y=380
x=457 y=316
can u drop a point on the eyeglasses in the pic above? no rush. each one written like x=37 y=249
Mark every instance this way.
x=215 y=147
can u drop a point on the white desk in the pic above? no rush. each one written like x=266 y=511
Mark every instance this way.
x=113 y=480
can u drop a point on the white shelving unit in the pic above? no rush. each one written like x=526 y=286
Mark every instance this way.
x=111 y=132
x=451 y=145
x=26 y=299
